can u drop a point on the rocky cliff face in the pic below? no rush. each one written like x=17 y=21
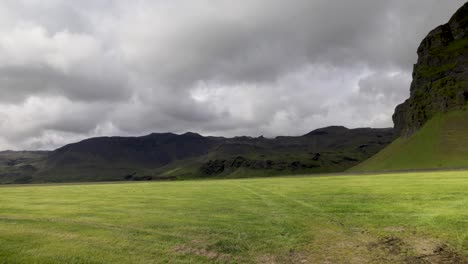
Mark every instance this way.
x=440 y=77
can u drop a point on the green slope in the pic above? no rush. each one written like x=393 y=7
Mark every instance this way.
x=441 y=143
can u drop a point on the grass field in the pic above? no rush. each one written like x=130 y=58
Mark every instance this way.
x=441 y=143
x=392 y=218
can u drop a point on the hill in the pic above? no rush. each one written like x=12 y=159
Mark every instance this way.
x=170 y=156
x=440 y=143
x=20 y=166
x=432 y=125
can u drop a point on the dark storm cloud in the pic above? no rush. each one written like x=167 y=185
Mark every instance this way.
x=74 y=69
x=265 y=40
x=17 y=83
x=268 y=38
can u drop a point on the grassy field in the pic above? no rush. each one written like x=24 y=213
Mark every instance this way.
x=392 y=218
x=441 y=143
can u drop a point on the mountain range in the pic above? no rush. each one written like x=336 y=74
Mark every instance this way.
x=190 y=155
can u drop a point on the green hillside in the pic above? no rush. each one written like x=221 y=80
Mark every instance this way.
x=441 y=143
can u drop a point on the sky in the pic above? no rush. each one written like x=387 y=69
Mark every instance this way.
x=70 y=70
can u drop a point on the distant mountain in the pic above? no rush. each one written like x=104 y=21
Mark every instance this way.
x=20 y=166
x=432 y=125
x=154 y=150
x=171 y=156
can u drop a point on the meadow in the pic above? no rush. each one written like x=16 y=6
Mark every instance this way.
x=388 y=218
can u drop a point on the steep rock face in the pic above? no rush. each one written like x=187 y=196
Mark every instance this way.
x=440 y=77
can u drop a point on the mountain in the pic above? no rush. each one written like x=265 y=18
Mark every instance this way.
x=440 y=76
x=20 y=166
x=171 y=156
x=331 y=149
x=432 y=125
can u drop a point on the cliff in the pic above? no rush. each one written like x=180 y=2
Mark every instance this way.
x=440 y=76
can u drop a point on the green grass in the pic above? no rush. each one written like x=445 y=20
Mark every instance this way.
x=427 y=71
x=334 y=219
x=455 y=47
x=441 y=143
x=458 y=45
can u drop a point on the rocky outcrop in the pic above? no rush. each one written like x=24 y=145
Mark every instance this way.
x=216 y=167
x=440 y=77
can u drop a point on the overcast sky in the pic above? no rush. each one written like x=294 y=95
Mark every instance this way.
x=76 y=69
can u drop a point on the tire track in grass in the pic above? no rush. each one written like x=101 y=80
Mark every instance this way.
x=275 y=211
x=90 y=225
x=317 y=235
x=125 y=238
x=359 y=239
x=266 y=202
x=319 y=211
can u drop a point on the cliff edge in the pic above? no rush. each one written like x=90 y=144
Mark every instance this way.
x=440 y=76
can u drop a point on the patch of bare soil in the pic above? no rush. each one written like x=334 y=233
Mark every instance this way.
x=393 y=249
x=394 y=229
x=201 y=252
x=441 y=254
x=293 y=257
x=390 y=245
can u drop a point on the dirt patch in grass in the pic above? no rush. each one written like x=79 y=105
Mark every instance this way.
x=392 y=249
x=292 y=257
x=395 y=229
x=441 y=254
x=201 y=252
x=389 y=245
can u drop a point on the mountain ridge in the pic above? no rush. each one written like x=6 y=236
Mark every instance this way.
x=191 y=155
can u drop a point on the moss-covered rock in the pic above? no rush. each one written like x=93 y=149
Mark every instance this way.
x=440 y=77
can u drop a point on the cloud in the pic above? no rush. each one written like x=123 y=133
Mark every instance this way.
x=75 y=69
x=33 y=61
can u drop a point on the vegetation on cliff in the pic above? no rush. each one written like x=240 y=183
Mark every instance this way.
x=440 y=77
